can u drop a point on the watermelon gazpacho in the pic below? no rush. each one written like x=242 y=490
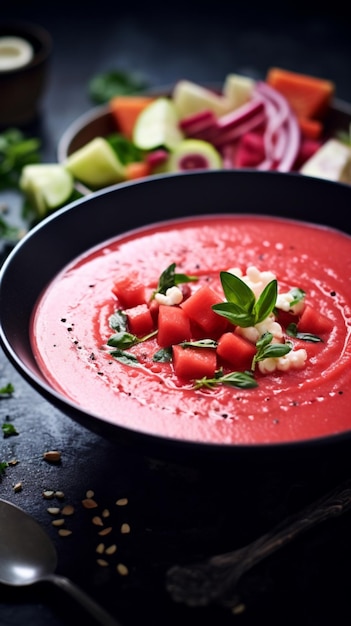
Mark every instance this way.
x=242 y=336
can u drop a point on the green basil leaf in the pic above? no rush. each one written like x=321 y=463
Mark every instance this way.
x=237 y=291
x=292 y=331
x=242 y=380
x=274 y=350
x=125 y=357
x=235 y=313
x=122 y=340
x=163 y=356
x=169 y=279
x=266 y=301
x=118 y=321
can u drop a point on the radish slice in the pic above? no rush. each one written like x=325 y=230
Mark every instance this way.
x=193 y=124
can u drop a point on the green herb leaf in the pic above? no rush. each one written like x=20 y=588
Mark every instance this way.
x=125 y=357
x=118 y=321
x=201 y=343
x=237 y=291
x=104 y=86
x=16 y=151
x=292 y=331
x=235 y=313
x=241 y=308
x=125 y=149
x=240 y=380
x=8 y=429
x=169 y=278
x=123 y=340
x=7 y=389
x=163 y=356
x=266 y=301
x=268 y=350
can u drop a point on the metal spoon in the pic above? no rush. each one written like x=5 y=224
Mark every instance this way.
x=215 y=579
x=28 y=556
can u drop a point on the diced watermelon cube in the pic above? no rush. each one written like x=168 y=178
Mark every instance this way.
x=129 y=291
x=236 y=351
x=198 y=307
x=173 y=326
x=139 y=319
x=313 y=321
x=191 y=363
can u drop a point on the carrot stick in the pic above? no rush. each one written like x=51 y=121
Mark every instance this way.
x=125 y=110
x=309 y=97
x=137 y=169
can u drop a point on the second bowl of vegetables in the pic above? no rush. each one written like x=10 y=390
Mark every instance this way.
x=282 y=123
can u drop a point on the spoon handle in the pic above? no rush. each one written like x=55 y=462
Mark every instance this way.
x=215 y=579
x=92 y=607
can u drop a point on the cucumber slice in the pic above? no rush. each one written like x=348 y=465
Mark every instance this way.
x=96 y=164
x=157 y=126
x=194 y=154
x=47 y=186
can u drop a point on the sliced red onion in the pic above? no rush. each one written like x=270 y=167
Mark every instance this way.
x=282 y=134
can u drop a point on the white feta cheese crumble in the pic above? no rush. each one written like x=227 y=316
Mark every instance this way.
x=293 y=360
x=269 y=325
x=173 y=295
x=254 y=279
x=284 y=301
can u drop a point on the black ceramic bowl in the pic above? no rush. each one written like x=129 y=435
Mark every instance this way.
x=91 y=220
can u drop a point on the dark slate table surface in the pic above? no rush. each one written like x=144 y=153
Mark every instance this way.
x=176 y=511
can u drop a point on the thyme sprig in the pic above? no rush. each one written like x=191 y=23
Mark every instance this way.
x=241 y=380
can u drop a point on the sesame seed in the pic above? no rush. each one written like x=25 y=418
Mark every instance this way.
x=53 y=510
x=64 y=532
x=125 y=529
x=58 y=522
x=100 y=548
x=122 y=502
x=68 y=510
x=89 y=503
x=122 y=569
